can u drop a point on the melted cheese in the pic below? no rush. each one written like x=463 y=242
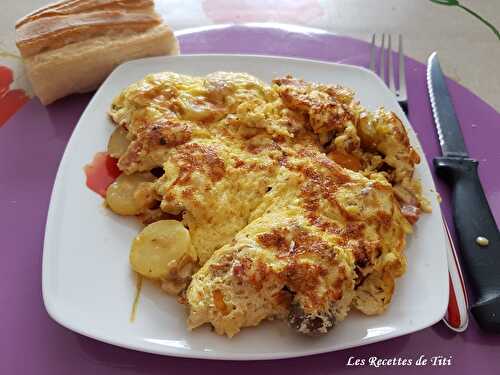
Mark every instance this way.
x=274 y=221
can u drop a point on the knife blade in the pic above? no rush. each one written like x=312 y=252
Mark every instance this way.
x=475 y=225
x=448 y=129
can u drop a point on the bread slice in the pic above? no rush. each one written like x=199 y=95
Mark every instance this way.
x=72 y=46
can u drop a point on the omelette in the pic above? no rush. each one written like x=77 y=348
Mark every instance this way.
x=286 y=201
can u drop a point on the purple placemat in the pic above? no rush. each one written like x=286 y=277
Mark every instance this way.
x=32 y=143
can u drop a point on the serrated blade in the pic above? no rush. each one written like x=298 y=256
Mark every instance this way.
x=447 y=125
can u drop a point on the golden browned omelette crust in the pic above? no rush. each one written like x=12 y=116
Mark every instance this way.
x=297 y=200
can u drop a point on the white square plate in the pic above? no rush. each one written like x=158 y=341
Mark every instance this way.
x=89 y=288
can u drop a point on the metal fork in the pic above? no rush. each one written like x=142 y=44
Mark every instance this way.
x=386 y=63
x=456 y=317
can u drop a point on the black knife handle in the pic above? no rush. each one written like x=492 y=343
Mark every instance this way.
x=473 y=219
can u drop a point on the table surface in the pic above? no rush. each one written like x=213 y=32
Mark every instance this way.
x=464 y=35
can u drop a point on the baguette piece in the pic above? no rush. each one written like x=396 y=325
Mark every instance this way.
x=72 y=46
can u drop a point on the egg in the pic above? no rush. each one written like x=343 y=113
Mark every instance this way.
x=288 y=197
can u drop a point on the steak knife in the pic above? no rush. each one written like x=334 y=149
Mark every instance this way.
x=477 y=231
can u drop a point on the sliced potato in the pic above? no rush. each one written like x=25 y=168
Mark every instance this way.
x=198 y=108
x=159 y=247
x=118 y=142
x=121 y=197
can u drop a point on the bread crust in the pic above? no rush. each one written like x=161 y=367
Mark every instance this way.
x=79 y=6
x=72 y=46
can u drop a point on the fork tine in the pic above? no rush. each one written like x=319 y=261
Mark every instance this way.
x=402 y=72
x=372 y=54
x=382 y=58
x=392 y=86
